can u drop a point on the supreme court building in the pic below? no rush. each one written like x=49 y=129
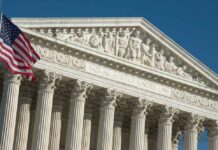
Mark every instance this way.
x=107 y=84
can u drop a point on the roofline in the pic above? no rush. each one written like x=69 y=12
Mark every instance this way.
x=116 y=21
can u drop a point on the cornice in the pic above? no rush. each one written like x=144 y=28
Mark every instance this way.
x=117 y=63
x=116 y=22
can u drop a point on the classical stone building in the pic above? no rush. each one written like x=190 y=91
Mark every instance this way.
x=107 y=84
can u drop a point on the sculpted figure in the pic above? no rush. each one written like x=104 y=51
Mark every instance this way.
x=61 y=36
x=151 y=61
x=109 y=43
x=73 y=38
x=145 y=51
x=160 y=60
x=121 y=44
x=181 y=72
x=82 y=38
x=170 y=65
x=96 y=40
x=134 y=46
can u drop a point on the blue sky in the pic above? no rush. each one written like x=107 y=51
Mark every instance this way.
x=191 y=23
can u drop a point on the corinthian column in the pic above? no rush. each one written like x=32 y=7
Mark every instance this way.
x=176 y=137
x=191 y=132
x=55 y=130
x=75 y=120
x=40 y=140
x=165 y=128
x=106 y=121
x=117 y=137
x=8 y=110
x=137 y=132
x=87 y=124
x=23 y=118
x=213 y=136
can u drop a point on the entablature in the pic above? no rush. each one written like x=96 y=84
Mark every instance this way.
x=132 y=39
x=60 y=51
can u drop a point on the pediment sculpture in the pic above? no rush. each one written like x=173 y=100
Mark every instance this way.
x=128 y=45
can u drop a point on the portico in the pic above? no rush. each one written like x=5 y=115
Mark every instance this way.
x=108 y=84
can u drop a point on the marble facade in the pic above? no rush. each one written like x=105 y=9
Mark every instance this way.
x=107 y=84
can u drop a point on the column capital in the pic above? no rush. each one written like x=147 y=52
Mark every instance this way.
x=213 y=129
x=48 y=80
x=109 y=97
x=194 y=122
x=140 y=106
x=80 y=90
x=15 y=78
x=167 y=114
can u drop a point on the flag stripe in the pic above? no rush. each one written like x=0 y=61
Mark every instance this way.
x=25 y=49
x=28 y=45
x=23 y=71
x=21 y=54
x=9 y=50
x=13 y=62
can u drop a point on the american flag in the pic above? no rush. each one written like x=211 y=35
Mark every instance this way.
x=15 y=50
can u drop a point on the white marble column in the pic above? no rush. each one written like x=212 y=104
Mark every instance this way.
x=87 y=125
x=23 y=121
x=55 y=130
x=117 y=135
x=106 y=121
x=213 y=136
x=23 y=117
x=137 y=131
x=165 y=128
x=191 y=132
x=8 y=110
x=40 y=139
x=31 y=126
x=176 y=137
x=76 y=114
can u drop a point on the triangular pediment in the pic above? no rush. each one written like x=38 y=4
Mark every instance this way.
x=129 y=39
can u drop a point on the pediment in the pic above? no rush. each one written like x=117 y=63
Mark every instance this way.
x=133 y=40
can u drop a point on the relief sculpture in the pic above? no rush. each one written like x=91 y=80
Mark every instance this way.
x=131 y=45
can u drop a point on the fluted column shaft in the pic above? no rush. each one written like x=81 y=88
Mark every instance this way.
x=164 y=135
x=117 y=137
x=55 y=130
x=191 y=139
x=87 y=125
x=8 y=111
x=191 y=132
x=165 y=129
x=75 y=120
x=106 y=121
x=137 y=132
x=23 y=121
x=40 y=140
x=213 y=142
x=31 y=127
x=105 y=129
